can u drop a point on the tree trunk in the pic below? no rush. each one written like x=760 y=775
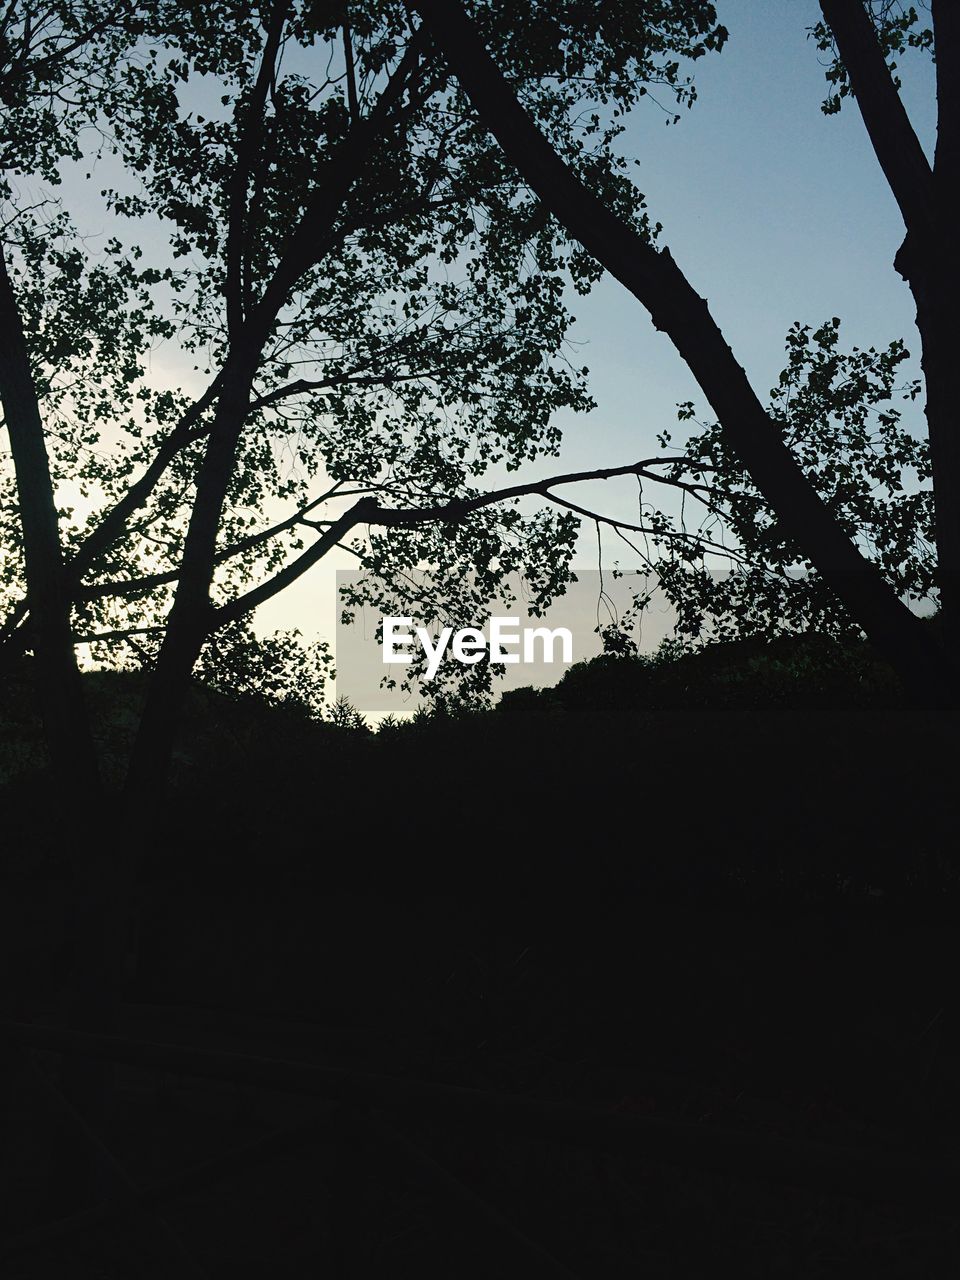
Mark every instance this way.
x=191 y=615
x=98 y=872
x=66 y=728
x=932 y=269
x=934 y=281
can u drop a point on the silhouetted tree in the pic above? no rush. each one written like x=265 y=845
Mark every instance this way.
x=371 y=295
x=754 y=437
x=374 y=298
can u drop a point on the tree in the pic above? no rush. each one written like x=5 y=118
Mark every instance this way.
x=241 y=191
x=372 y=296
x=754 y=437
x=314 y=235
x=53 y=65
x=839 y=415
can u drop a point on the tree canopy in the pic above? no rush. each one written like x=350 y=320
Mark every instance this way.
x=754 y=437
x=329 y=292
x=305 y=213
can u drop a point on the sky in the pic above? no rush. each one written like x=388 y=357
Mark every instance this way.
x=775 y=212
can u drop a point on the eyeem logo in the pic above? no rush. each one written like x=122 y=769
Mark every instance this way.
x=508 y=643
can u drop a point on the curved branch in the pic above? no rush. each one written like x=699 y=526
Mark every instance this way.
x=150 y=581
x=368 y=511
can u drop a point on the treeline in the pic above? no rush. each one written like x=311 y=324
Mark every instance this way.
x=748 y=768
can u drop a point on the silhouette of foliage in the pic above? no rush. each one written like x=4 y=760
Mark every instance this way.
x=732 y=571
x=319 y=264
x=898 y=27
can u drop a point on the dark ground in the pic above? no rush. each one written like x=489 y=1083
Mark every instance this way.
x=716 y=906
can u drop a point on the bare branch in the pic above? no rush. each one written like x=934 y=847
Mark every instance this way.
x=368 y=511
x=352 y=102
x=149 y=582
x=105 y=637
x=303 y=385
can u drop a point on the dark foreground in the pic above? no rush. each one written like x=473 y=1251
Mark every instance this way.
x=590 y=988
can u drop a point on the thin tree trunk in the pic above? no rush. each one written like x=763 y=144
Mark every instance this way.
x=90 y=995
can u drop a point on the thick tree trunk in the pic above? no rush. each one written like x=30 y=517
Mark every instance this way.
x=933 y=271
x=191 y=615
x=928 y=259
x=934 y=282
x=675 y=308
x=66 y=728
x=91 y=989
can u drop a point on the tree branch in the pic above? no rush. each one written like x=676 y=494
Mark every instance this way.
x=894 y=141
x=104 y=637
x=150 y=581
x=25 y=66
x=357 y=514
x=303 y=385
x=456 y=508
x=353 y=104
x=187 y=430
x=248 y=148
x=368 y=511
x=113 y=523
x=308 y=243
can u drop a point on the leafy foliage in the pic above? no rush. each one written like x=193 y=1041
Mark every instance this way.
x=731 y=571
x=898 y=27
x=419 y=342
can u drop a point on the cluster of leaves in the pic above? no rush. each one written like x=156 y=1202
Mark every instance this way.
x=898 y=28
x=734 y=572
x=280 y=670
x=804 y=671
x=426 y=345
x=456 y=573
